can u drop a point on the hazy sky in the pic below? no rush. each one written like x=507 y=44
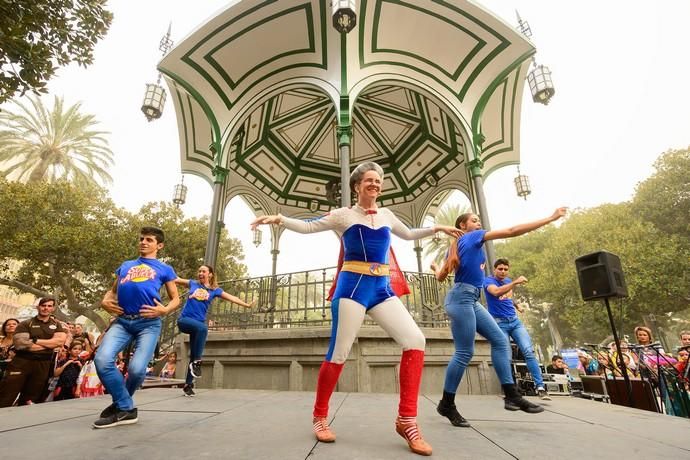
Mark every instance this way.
x=621 y=71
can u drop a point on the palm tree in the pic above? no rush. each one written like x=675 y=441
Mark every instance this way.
x=40 y=144
x=439 y=244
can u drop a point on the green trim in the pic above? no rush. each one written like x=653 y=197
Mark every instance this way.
x=208 y=57
x=504 y=84
x=187 y=57
x=516 y=81
x=504 y=43
x=215 y=128
x=458 y=70
x=484 y=99
x=475 y=167
x=187 y=144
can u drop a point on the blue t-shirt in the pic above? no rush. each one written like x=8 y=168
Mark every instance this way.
x=198 y=301
x=139 y=282
x=472 y=258
x=499 y=307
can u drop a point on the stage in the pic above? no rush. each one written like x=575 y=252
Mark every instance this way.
x=253 y=424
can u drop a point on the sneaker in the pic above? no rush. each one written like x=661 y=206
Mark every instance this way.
x=522 y=404
x=188 y=390
x=451 y=413
x=411 y=433
x=195 y=368
x=322 y=431
x=543 y=394
x=121 y=417
x=108 y=411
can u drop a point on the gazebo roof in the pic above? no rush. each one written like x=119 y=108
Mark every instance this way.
x=426 y=81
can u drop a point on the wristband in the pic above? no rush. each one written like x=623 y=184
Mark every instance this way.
x=34 y=339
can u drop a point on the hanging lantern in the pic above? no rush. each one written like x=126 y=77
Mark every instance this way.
x=154 y=101
x=257 y=237
x=522 y=185
x=344 y=15
x=540 y=84
x=154 y=98
x=180 y=194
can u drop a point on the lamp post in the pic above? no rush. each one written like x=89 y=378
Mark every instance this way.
x=154 y=97
x=522 y=185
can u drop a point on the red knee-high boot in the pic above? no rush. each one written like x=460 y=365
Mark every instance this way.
x=328 y=378
x=411 y=366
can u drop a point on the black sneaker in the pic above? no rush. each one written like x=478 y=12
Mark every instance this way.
x=195 y=368
x=121 y=417
x=522 y=404
x=108 y=411
x=188 y=390
x=451 y=413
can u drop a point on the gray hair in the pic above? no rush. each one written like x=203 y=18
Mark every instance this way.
x=362 y=169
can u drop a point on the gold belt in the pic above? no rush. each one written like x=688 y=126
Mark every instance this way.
x=366 y=268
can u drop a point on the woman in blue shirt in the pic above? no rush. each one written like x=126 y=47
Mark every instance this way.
x=192 y=320
x=468 y=316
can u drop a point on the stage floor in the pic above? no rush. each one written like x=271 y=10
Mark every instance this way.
x=247 y=424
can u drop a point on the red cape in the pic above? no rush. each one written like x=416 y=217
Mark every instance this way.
x=398 y=281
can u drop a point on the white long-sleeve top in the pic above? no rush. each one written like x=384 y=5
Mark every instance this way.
x=341 y=219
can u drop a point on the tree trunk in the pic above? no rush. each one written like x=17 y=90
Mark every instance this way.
x=39 y=172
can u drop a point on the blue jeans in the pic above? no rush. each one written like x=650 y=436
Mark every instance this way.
x=467 y=317
x=145 y=333
x=198 y=331
x=513 y=327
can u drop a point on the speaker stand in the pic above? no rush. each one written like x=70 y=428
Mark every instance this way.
x=621 y=361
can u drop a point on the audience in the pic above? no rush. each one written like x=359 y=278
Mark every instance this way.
x=557 y=366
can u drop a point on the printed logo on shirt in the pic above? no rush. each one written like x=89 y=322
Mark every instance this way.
x=139 y=274
x=199 y=294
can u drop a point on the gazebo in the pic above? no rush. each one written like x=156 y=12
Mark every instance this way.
x=276 y=101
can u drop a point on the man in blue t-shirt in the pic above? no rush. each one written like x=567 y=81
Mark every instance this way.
x=135 y=301
x=499 y=299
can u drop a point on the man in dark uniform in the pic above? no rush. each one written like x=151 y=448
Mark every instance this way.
x=34 y=339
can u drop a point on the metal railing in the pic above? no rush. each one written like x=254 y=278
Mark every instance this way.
x=298 y=299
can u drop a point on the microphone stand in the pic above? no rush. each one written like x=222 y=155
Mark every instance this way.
x=599 y=356
x=645 y=372
x=623 y=368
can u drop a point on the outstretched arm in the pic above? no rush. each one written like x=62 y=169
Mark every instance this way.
x=521 y=229
x=182 y=282
x=498 y=291
x=403 y=231
x=327 y=222
x=237 y=300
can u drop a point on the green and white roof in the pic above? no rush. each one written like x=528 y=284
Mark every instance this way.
x=426 y=81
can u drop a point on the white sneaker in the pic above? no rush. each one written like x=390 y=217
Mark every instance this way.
x=543 y=394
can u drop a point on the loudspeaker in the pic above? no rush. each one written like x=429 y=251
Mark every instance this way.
x=601 y=276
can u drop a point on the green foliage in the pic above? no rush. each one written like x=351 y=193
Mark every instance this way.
x=40 y=144
x=438 y=246
x=663 y=199
x=652 y=261
x=71 y=239
x=36 y=36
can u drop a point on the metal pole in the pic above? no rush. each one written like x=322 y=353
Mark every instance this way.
x=621 y=361
x=418 y=250
x=215 y=223
x=344 y=139
x=478 y=182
